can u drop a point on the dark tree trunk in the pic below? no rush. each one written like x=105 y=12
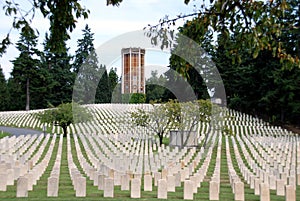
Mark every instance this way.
x=298 y=35
x=65 y=130
x=27 y=95
x=206 y=137
x=160 y=139
x=282 y=115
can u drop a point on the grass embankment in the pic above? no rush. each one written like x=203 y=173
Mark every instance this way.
x=4 y=134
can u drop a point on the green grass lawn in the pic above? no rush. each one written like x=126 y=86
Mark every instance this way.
x=4 y=134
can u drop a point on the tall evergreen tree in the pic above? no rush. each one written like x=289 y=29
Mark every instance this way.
x=86 y=69
x=25 y=66
x=190 y=74
x=113 y=79
x=290 y=37
x=15 y=90
x=59 y=78
x=103 y=93
x=3 y=92
x=155 y=87
x=85 y=49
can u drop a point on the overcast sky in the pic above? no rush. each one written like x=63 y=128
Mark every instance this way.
x=106 y=22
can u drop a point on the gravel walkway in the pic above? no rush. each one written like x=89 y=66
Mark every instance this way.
x=19 y=131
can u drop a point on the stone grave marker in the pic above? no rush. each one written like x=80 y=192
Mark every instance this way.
x=52 y=187
x=81 y=187
x=264 y=192
x=290 y=193
x=108 y=187
x=125 y=182
x=188 y=193
x=171 y=183
x=162 y=189
x=239 y=191
x=135 y=188
x=280 y=190
x=147 y=182
x=101 y=178
x=22 y=187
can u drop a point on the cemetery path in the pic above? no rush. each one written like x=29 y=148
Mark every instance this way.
x=19 y=131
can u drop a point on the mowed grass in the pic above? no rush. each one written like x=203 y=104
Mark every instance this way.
x=67 y=192
x=4 y=134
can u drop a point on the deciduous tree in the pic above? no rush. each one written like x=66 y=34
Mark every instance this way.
x=65 y=115
x=184 y=117
x=258 y=25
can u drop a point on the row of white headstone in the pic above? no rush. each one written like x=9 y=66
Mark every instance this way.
x=53 y=179
x=214 y=184
x=107 y=176
x=22 y=119
x=236 y=184
x=17 y=162
x=25 y=183
x=166 y=175
x=78 y=179
x=270 y=158
x=265 y=175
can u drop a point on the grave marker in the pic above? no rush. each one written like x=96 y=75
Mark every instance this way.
x=147 y=183
x=135 y=188
x=239 y=191
x=22 y=187
x=162 y=189
x=290 y=193
x=188 y=190
x=52 y=187
x=264 y=192
x=213 y=190
x=108 y=187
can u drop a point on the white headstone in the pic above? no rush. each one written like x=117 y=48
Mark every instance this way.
x=162 y=189
x=22 y=187
x=280 y=187
x=81 y=187
x=147 y=182
x=52 y=187
x=188 y=192
x=239 y=191
x=264 y=192
x=125 y=180
x=290 y=193
x=108 y=187
x=171 y=183
x=3 y=181
x=135 y=188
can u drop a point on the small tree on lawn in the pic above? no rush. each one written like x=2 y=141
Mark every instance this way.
x=64 y=115
x=187 y=115
x=158 y=119
x=183 y=117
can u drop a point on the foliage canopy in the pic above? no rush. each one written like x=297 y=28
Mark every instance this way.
x=183 y=116
x=259 y=23
x=64 y=115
